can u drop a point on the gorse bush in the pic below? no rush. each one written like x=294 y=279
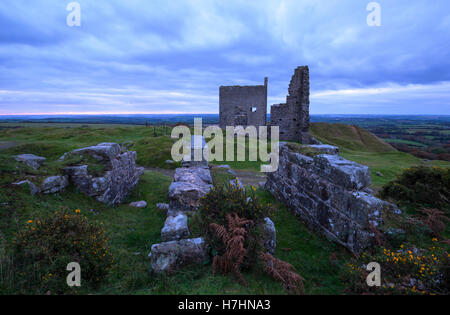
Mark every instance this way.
x=421 y=187
x=45 y=246
x=407 y=270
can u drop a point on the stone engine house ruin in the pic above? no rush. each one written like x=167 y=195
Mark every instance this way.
x=293 y=116
x=243 y=105
x=247 y=106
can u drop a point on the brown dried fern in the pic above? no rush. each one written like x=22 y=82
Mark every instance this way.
x=233 y=238
x=435 y=219
x=284 y=273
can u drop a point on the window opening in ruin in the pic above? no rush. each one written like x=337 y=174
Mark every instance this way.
x=253 y=109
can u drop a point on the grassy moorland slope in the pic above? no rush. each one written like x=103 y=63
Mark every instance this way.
x=132 y=231
x=362 y=146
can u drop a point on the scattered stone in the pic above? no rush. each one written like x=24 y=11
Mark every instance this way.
x=162 y=206
x=170 y=162
x=175 y=228
x=54 y=184
x=31 y=160
x=170 y=256
x=119 y=179
x=379 y=174
x=139 y=204
x=330 y=194
x=270 y=236
x=33 y=188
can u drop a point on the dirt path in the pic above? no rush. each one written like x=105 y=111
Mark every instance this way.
x=250 y=177
x=163 y=171
x=246 y=177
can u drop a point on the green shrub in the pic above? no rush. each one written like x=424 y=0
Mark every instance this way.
x=421 y=187
x=44 y=247
x=227 y=200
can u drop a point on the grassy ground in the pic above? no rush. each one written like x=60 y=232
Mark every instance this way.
x=361 y=146
x=132 y=231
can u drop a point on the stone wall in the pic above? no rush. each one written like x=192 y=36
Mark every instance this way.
x=293 y=116
x=119 y=179
x=330 y=194
x=243 y=105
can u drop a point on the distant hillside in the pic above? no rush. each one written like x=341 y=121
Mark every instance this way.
x=349 y=137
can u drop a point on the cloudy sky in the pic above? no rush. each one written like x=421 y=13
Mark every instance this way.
x=155 y=56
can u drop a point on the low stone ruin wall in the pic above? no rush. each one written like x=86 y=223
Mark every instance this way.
x=190 y=183
x=330 y=194
x=120 y=178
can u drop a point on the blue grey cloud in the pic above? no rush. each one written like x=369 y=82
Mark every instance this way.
x=160 y=56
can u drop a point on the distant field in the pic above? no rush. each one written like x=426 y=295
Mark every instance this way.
x=413 y=143
x=61 y=125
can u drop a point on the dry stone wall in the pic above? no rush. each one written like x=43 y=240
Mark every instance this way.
x=330 y=194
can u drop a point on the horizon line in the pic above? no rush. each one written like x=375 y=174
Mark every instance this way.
x=184 y=113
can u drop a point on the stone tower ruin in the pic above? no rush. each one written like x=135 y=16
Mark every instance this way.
x=293 y=116
x=243 y=105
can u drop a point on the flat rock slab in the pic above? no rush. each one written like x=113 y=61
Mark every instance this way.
x=186 y=196
x=168 y=257
x=175 y=228
x=31 y=160
x=342 y=172
x=100 y=152
x=54 y=184
x=193 y=175
x=325 y=148
x=189 y=185
x=139 y=204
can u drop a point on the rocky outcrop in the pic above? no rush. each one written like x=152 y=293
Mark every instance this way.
x=120 y=177
x=54 y=184
x=31 y=160
x=330 y=194
x=170 y=256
